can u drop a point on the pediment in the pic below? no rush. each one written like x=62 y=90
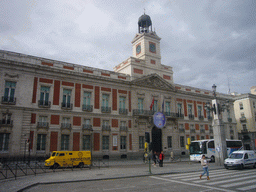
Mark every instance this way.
x=153 y=81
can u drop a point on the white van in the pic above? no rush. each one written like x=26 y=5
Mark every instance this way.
x=241 y=159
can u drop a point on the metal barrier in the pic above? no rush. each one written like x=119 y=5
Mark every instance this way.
x=14 y=167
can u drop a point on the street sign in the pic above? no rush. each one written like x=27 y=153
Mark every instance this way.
x=159 y=120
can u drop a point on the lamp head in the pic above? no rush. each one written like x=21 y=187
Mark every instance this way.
x=214 y=88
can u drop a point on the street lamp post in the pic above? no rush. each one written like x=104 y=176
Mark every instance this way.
x=218 y=129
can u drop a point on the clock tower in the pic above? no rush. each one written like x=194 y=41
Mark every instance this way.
x=146 y=55
x=146 y=44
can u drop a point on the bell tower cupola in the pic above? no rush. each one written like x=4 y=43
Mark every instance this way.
x=144 y=23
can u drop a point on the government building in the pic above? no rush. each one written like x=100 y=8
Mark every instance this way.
x=48 y=105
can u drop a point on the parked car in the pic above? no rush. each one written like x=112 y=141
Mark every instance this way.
x=241 y=159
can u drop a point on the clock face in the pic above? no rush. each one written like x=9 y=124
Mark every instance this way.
x=152 y=47
x=138 y=49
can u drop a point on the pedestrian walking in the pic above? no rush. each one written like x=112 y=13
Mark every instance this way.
x=161 y=159
x=204 y=163
x=154 y=158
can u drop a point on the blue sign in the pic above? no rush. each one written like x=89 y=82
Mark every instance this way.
x=159 y=120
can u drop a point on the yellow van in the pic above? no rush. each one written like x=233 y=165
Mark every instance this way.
x=68 y=159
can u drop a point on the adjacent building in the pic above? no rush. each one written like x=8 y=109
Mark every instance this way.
x=245 y=113
x=49 y=105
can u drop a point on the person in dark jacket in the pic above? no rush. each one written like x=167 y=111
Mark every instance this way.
x=154 y=158
x=161 y=159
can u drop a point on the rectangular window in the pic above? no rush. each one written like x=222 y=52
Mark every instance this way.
x=179 y=108
x=86 y=142
x=6 y=120
x=192 y=138
x=44 y=95
x=140 y=104
x=123 y=126
x=190 y=108
x=105 y=100
x=9 y=91
x=241 y=106
x=123 y=142
x=43 y=121
x=202 y=137
x=155 y=106
x=41 y=142
x=199 y=109
x=169 y=141
x=122 y=102
x=182 y=142
x=167 y=106
x=4 y=141
x=64 y=142
x=141 y=142
x=87 y=98
x=66 y=98
x=105 y=143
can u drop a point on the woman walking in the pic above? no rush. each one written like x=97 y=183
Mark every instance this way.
x=204 y=163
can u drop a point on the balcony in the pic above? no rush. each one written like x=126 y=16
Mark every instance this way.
x=229 y=120
x=9 y=100
x=202 y=130
x=44 y=104
x=123 y=128
x=65 y=126
x=201 y=118
x=192 y=130
x=106 y=109
x=170 y=114
x=105 y=127
x=181 y=130
x=141 y=112
x=179 y=115
x=243 y=119
x=190 y=116
x=87 y=108
x=43 y=125
x=6 y=123
x=67 y=106
x=87 y=127
x=209 y=118
x=123 y=111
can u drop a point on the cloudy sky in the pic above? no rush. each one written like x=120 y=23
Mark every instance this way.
x=205 y=41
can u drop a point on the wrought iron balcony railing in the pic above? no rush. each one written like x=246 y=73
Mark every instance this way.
x=45 y=104
x=209 y=118
x=105 y=127
x=6 y=123
x=180 y=115
x=87 y=108
x=123 y=111
x=181 y=130
x=143 y=112
x=65 y=125
x=42 y=125
x=202 y=130
x=106 y=109
x=68 y=106
x=9 y=100
x=87 y=127
x=191 y=116
x=201 y=118
x=123 y=128
x=192 y=130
